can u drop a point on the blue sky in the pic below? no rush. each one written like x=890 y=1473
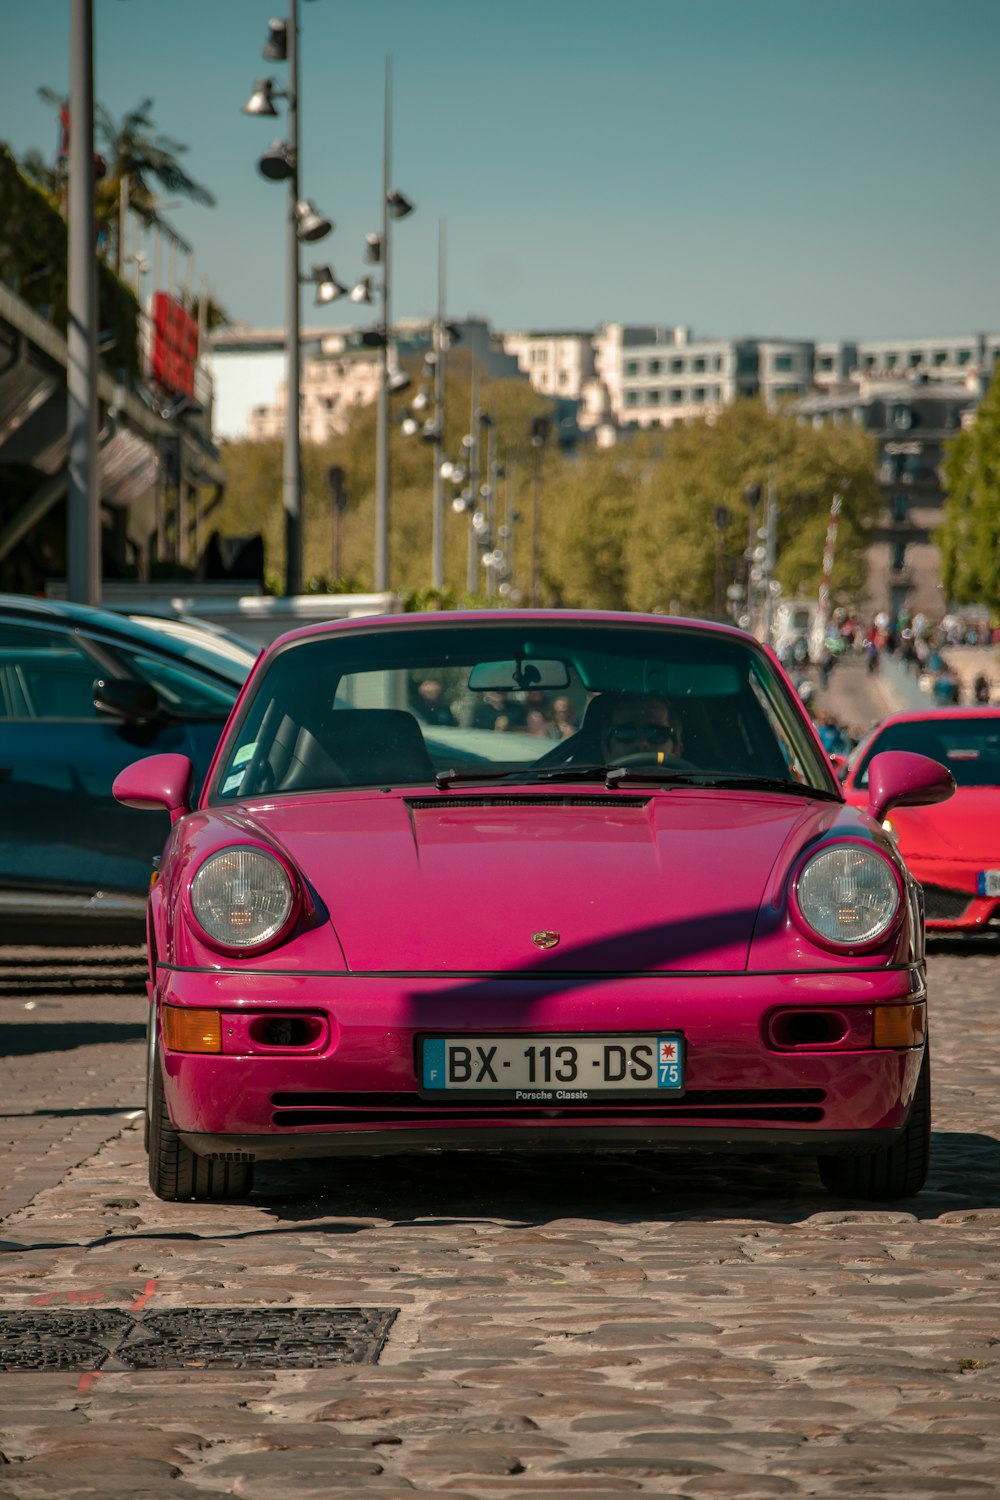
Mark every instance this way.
x=795 y=167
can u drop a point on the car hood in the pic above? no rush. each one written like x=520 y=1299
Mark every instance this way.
x=468 y=883
x=967 y=827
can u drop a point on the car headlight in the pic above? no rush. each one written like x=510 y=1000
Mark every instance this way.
x=242 y=897
x=848 y=894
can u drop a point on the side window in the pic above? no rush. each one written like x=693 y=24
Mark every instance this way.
x=786 y=732
x=45 y=674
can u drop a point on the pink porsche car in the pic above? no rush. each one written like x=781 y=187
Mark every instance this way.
x=535 y=881
x=954 y=852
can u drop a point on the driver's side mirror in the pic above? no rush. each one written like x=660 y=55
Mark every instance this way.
x=901 y=778
x=157 y=781
x=126 y=698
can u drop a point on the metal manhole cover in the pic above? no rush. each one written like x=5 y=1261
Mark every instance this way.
x=287 y=1338
x=40 y=1341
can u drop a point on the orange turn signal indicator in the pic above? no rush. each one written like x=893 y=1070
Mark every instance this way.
x=188 y=1030
x=899 y=1025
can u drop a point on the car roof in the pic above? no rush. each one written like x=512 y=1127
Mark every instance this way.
x=489 y=617
x=109 y=623
x=198 y=633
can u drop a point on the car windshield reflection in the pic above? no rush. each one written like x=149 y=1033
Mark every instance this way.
x=436 y=705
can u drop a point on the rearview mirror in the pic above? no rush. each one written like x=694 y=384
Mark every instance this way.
x=518 y=676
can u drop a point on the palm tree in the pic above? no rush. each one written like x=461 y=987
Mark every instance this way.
x=135 y=159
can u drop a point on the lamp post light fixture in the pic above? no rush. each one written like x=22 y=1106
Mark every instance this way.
x=539 y=437
x=426 y=417
x=328 y=288
x=282 y=163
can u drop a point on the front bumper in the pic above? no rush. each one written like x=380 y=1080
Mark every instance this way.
x=951 y=902
x=350 y=1086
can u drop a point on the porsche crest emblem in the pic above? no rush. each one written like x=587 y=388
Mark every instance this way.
x=545 y=939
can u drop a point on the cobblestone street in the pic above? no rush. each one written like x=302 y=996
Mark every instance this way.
x=567 y=1326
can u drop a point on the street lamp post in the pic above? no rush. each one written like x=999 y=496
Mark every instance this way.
x=426 y=416
x=83 y=541
x=283 y=163
x=394 y=206
x=440 y=336
x=539 y=436
x=488 y=493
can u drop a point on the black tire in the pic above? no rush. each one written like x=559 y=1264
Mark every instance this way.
x=896 y=1171
x=176 y=1174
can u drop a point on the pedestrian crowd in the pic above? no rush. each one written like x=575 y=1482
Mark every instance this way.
x=917 y=644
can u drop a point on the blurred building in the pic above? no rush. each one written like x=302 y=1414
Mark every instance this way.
x=911 y=420
x=340 y=373
x=157 y=473
x=654 y=377
x=912 y=395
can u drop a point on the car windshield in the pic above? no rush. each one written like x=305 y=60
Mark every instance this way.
x=969 y=747
x=521 y=700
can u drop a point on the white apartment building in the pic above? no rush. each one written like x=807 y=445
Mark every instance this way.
x=336 y=379
x=656 y=377
x=620 y=377
x=556 y=364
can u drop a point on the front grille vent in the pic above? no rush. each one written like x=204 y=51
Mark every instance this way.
x=493 y=799
x=293 y=1110
x=941 y=905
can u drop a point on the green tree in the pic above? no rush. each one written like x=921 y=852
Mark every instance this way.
x=253 y=497
x=631 y=527
x=969 y=536
x=710 y=464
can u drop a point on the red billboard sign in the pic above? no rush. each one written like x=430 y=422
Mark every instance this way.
x=173 y=348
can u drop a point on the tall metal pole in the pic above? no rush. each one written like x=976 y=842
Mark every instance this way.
x=491 y=506
x=536 y=516
x=382 y=435
x=83 y=532
x=471 y=580
x=770 y=552
x=437 y=546
x=510 y=517
x=292 y=473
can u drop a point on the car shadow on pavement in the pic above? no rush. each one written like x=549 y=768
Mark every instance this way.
x=649 y=1186
x=26 y=1037
x=427 y=1192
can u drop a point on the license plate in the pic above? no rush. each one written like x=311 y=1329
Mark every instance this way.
x=553 y=1069
x=988 y=883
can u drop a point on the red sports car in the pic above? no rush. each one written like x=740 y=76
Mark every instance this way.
x=953 y=851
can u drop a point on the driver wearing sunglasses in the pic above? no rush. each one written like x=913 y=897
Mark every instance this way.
x=640 y=722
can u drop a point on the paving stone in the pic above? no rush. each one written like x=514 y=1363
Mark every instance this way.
x=615 y=1316
x=639 y=1465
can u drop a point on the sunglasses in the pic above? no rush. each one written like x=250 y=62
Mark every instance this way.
x=654 y=734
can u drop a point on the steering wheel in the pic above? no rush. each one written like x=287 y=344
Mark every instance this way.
x=654 y=758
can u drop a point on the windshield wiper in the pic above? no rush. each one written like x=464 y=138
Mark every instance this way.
x=568 y=773
x=450 y=777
